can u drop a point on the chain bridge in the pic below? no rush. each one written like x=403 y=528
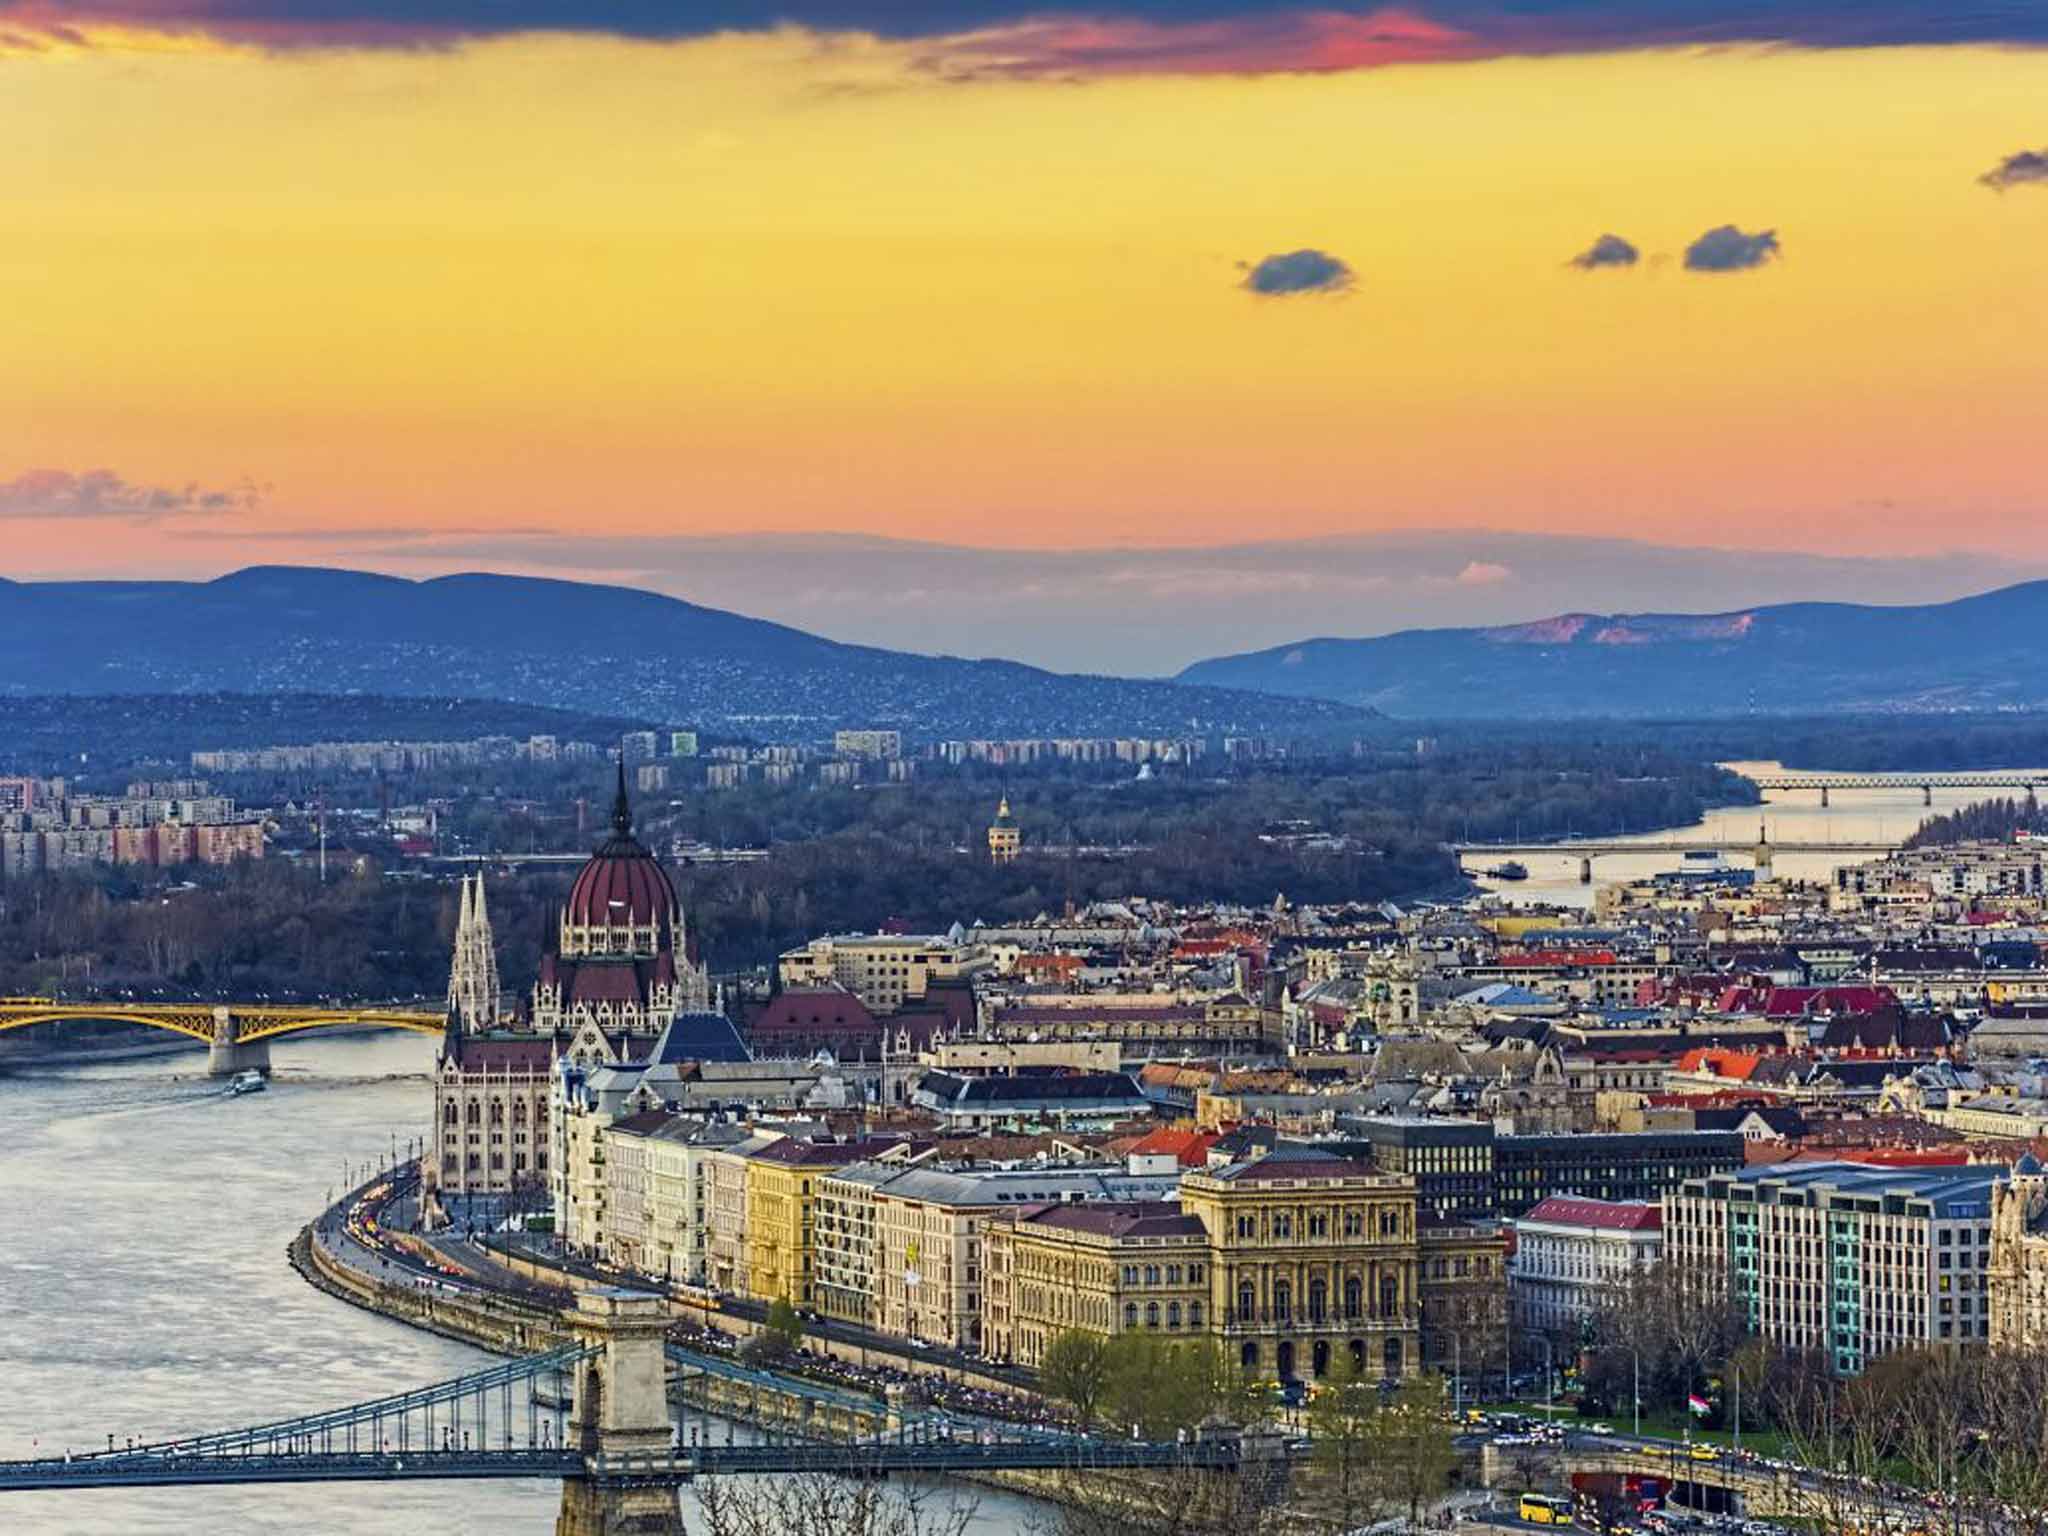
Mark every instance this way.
x=237 y=1035
x=595 y=1414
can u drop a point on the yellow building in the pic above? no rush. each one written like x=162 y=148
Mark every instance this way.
x=1136 y=1267
x=782 y=1192
x=1292 y=1262
x=1005 y=840
x=1310 y=1254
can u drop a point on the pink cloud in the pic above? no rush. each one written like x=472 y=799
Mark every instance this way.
x=1290 y=41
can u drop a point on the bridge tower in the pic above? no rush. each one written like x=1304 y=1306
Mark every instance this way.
x=230 y=1054
x=620 y=1415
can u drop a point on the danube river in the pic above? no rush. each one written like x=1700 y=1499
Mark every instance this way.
x=1853 y=816
x=144 y=1289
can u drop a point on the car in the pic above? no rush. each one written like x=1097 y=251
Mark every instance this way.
x=1706 y=1453
x=1598 y=1429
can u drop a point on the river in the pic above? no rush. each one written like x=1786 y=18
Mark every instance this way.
x=1854 y=815
x=144 y=1290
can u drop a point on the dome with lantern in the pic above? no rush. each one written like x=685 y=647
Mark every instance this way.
x=623 y=964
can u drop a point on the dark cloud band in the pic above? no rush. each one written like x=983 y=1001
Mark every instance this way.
x=1112 y=36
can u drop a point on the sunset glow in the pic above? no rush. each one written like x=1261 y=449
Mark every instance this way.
x=803 y=281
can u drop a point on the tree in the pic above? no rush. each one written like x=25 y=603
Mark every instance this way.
x=1186 y=1502
x=780 y=1336
x=1076 y=1370
x=1163 y=1388
x=1341 y=1423
x=821 y=1504
x=1409 y=1447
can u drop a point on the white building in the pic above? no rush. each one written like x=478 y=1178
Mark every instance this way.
x=1572 y=1254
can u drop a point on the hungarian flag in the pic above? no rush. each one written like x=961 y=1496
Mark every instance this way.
x=1698 y=1404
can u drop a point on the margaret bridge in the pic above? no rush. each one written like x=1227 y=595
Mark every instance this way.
x=237 y=1035
x=596 y=1414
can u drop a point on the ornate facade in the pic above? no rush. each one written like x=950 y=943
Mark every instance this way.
x=491 y=1085
x=2019 y=1259
x=1311 y=1254
x=623 y=963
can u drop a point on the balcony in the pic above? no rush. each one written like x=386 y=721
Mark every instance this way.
x=1266 y=1319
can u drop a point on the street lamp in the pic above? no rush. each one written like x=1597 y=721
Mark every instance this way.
x=1549 y=1377
x=1637 y=1356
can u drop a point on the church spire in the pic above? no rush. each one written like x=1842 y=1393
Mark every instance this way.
x=622 y=810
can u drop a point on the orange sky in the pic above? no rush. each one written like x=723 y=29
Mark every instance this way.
x=778 y=282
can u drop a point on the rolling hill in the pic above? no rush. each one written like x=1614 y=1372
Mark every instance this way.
x=1983 y=652
x=615 y=650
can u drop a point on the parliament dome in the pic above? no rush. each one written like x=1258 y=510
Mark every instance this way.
x=623 y=889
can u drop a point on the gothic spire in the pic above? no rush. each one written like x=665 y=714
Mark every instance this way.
x=622 y=811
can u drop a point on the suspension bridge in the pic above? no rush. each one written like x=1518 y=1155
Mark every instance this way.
x=595 y=1414
x=237 y=1035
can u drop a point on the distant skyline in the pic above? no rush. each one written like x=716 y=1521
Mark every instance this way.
x=559 y=276
x=1149 y=612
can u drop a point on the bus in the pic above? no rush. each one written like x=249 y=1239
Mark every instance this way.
x=1546 y=1509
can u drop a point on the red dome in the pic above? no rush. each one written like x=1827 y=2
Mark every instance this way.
x=623 y=884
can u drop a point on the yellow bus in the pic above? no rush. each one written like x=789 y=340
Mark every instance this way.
x=1546 y=1509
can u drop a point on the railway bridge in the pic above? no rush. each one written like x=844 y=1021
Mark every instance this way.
x=609 y=1437
x=1586 y=849
x=237 y=1035
x=1926 y=783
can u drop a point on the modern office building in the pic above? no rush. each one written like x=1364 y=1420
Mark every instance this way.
x=1845 y=1258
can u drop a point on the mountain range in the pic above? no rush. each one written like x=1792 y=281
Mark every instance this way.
x=616 y=650
x=1984 y=652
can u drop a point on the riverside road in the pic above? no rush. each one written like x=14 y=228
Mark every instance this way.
x=144 y=1289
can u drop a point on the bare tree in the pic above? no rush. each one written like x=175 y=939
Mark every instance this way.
x=1187 y=1502
x=825 y=1504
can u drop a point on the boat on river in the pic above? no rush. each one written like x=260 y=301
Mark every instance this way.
x=246 y=1082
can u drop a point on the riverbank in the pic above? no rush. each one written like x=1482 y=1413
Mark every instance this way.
x=85 y=1053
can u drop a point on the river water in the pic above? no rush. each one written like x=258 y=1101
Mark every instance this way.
x=1854 y=815
x=144 y=1290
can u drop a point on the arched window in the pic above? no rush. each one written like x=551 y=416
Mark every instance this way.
x=1283 y=1301
x=1390 y=1296
x=1194 y=1314
x=1130 y=1314
x=454 y=1113
x=1318 y=1298
x=1173 y=1314
x=1151 y=1314
x=497 y=1111
x=1247 y=1304
x=519 y=1111
x=1354 y=1296
x=475 y=1116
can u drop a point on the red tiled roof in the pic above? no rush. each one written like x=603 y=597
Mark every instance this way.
x=1608 y=1215
x=1191 y=1148
x=475 y=1055
x=1121 y=1218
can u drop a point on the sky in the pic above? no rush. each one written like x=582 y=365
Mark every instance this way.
x=564 y=285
